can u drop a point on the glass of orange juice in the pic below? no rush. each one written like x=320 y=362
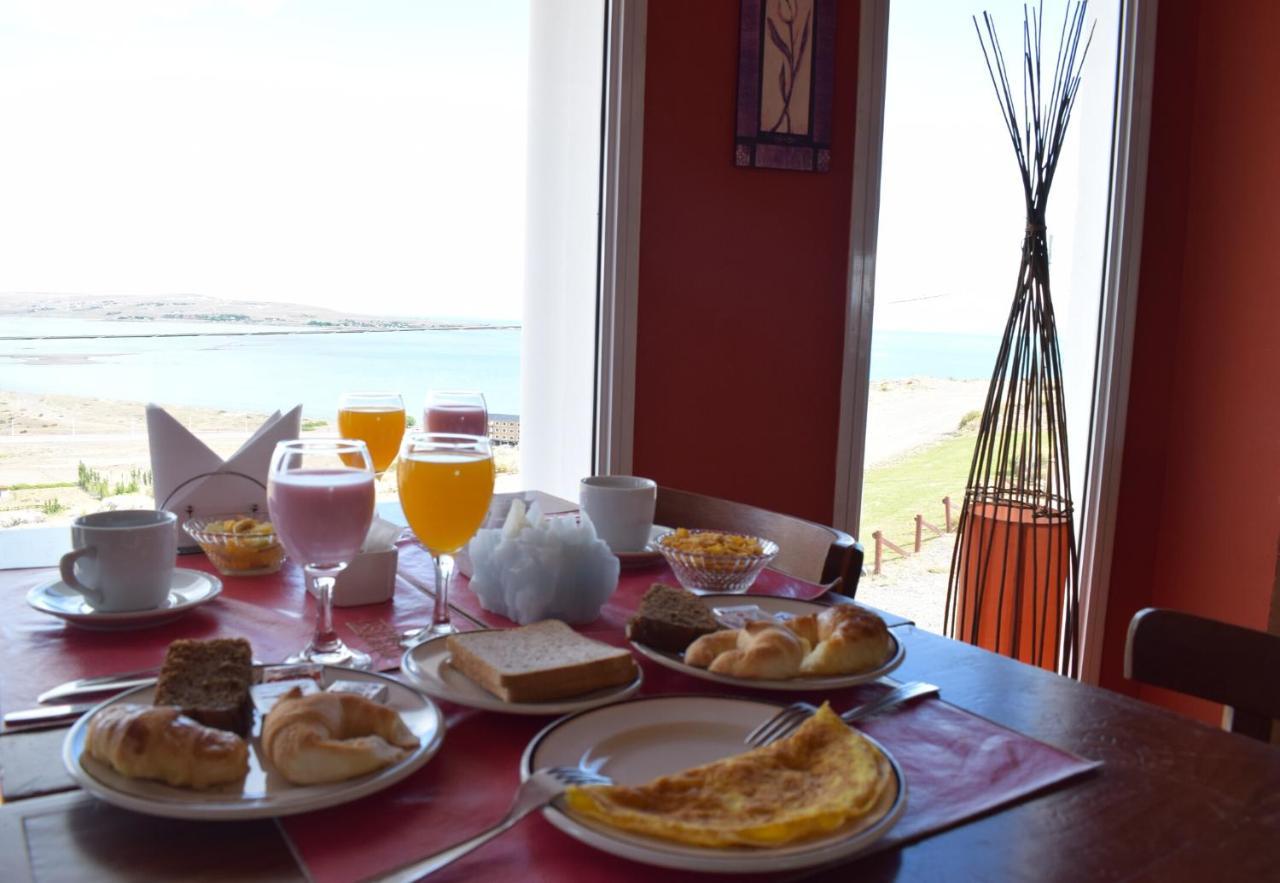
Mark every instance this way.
x=446 y=483
x=377 y=419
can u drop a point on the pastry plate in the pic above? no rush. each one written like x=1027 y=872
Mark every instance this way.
x=795 y=607
x=188 y=589
x=263 y=792
x=646 y=557
x=427 y=666
x=636 y=741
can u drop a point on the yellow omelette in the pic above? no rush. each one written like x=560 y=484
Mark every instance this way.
x=820 y=778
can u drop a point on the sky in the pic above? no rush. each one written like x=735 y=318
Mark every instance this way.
x=369 y=156
x=952 y=212
x=366 y=155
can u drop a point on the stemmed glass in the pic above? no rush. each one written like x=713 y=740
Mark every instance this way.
x=457 y=411
x=377 y=419
x=320 y=496
x=446 y=483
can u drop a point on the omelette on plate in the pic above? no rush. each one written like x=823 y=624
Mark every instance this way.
x=820 y=778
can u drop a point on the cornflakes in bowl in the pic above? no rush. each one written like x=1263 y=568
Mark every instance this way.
x=238 y=545
x=715 y=561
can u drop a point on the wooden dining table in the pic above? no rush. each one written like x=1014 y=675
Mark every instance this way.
x=1172 y=799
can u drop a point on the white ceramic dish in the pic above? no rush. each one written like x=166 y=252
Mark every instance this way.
x=675 y=661
x=263 y=792
x=646 y=557
x=427 y=666
x=634 y=742
x=187 y=590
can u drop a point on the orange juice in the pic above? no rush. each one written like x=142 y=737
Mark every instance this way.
x=445 y=496
x=379 y=428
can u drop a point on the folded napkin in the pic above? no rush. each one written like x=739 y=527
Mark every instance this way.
x=192 y=481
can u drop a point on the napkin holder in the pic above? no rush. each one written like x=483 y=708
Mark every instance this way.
x=370 y=578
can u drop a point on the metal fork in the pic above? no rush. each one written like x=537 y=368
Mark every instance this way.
x=535 y=792
x=786 y=721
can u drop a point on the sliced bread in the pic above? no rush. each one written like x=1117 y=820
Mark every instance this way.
x=539 y=662
x=209 y=681
x=670 y=619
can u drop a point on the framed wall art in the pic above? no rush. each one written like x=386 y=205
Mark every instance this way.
x=785 y=77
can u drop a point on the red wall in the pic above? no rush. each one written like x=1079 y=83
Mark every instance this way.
x=742 y=279
x=1199 y=513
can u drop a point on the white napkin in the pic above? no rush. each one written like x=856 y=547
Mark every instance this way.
x=191 y=480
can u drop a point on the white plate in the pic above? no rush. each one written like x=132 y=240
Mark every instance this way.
x=264 y=792
x=635 y=742
x=675 y=661
x=427 y=666
x=646 y=557
x=187 y=590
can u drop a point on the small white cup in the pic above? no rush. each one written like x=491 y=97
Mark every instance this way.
x=621 y=508
x=122 y=560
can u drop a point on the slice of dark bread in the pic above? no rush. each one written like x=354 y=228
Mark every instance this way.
x=670 y=619
x=209 y=681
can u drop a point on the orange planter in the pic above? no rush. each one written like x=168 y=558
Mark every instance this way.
x=1014 y=562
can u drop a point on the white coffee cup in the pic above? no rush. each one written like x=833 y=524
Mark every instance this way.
x=122 y=560
x=621 y=508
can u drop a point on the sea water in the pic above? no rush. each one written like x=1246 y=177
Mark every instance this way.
x=277 y=371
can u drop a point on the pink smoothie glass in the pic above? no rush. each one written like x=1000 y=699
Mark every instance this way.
x=320 y=497
x=456 y=411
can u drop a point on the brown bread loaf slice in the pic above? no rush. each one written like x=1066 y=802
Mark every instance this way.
x=670 y=619
x=539 y=662
x=209 y=681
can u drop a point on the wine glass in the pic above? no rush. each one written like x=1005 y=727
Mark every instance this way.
x=320 y=495
x=377 y=419
x=457 y=411
x=446 y=483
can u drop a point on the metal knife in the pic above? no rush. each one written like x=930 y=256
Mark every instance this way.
x=35 y=718
x=103 y=684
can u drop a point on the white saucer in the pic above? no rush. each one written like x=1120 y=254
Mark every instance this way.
x=188 y=589
x=636 y=741
x=427 y=667
x=646 y=557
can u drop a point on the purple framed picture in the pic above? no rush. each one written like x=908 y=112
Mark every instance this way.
x=786 y=71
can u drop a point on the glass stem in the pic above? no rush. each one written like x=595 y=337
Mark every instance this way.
x=444 y=573
x=326 y=639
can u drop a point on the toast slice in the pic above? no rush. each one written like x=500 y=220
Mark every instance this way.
x=539 y=662
x=209 y=681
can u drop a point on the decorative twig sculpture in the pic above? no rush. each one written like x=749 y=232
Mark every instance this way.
x=1014 y=583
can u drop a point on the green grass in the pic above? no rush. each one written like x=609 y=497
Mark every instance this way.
x=40 y=487
x=892 y=494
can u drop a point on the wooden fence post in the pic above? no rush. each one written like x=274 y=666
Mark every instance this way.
x=879 y=552
x=919 y=532
x=946 y=503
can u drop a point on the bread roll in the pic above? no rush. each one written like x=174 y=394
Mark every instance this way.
x=850 y=640
x=329 y=737
x=705 y=649
x=157 y=742
x=765 y=651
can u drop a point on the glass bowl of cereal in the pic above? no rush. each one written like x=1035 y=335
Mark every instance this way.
x=713 y=560
x=238 y=545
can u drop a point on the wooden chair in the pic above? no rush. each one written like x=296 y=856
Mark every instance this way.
x=1236 y=666
x=808 y=550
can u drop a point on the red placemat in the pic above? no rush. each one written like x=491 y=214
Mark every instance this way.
x=957 y=766
x=39 y=651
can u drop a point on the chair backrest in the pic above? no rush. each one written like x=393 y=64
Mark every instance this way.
x=1236 y=666
x=807 y=550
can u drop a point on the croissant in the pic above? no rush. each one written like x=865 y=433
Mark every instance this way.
x=846 y=640
x=158 y=742
x=706 y=648
x=328 y=737
x=765 y=651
